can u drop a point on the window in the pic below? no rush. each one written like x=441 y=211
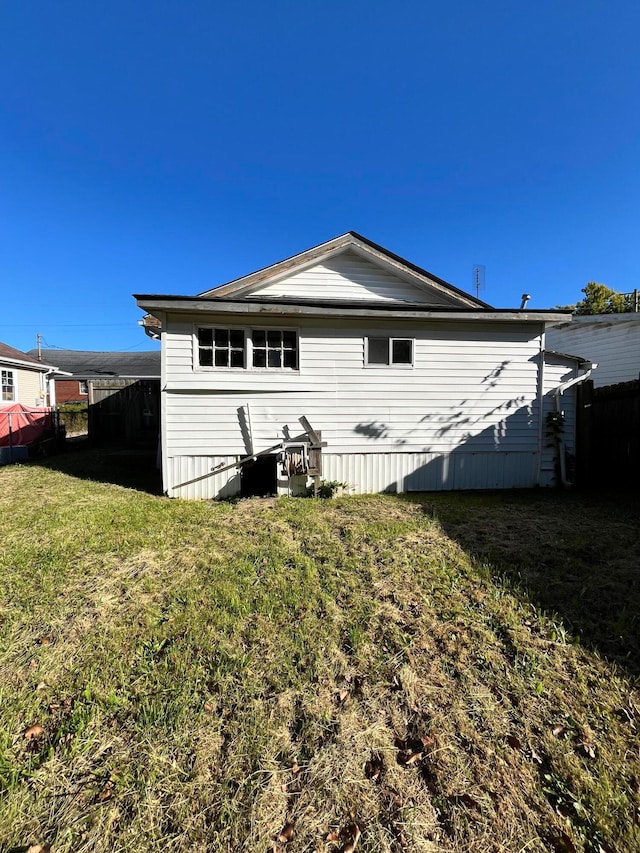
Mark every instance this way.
x=221 y=347
x=83 y=388
x=389 y=351
x=8 y=386
x=259 y=348
x=274 y=348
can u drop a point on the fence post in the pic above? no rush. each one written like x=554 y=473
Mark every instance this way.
x=584 y=424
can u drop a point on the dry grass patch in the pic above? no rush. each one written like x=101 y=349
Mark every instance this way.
x=295 y=675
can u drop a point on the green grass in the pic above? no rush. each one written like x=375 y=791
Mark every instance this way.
x=206 y=674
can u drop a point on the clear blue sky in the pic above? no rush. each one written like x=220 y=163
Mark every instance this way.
x=167 y=147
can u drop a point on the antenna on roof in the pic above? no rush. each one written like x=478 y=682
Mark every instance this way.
x=478 y=278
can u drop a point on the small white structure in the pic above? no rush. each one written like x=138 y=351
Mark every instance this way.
x=412 y=384
x=611 y=340
x=24 y=379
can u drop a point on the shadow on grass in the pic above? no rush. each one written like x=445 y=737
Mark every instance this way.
x=574 y=554
x=133 y=469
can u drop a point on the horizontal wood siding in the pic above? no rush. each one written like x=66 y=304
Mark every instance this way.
x=615 y=346
x=557 y=371
x=472 y=393
x=28 y=386
x=349 y=276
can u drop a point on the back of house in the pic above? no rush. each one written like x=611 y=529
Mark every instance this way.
x=352 y=364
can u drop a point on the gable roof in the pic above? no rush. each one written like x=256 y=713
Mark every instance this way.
x=89 y=364
x=22 y=359
x=419 y=278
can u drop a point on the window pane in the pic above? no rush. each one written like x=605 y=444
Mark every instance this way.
x=259 y=337
x=274 y=339
x=205 y=337
x=206 y=358
x=378 y=351
x=237 y=358
x=259 y=358
x=274 y=358
x=289 y=340
x=290 y=358
x=222 y=358
x=236 y=337
x=222 y=337
x=401 y=352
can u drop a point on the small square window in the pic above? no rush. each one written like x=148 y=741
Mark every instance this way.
x=206 y=357
x=378 y=351
x=389 y=351
x=205 y=337
x=401 y=351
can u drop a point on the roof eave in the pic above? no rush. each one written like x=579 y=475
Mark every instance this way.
x=31 y=365
x=198 y=305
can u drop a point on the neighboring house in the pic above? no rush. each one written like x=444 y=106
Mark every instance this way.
x=24 y=379
x=413 y=384
x=89 y=373
x=120 y=389
x=610 y=340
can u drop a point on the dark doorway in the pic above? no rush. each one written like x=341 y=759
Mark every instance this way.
x=258 y=478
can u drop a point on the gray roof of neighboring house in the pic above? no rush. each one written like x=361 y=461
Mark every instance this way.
x=87 y=364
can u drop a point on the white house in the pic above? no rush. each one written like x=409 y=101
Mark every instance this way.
x=611 y=340
x=413 y=384
x=24 y=379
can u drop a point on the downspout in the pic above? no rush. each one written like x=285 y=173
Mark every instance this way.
x=541 y=404
x=560 y=389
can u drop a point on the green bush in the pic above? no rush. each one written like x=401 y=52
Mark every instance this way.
x=74 y=416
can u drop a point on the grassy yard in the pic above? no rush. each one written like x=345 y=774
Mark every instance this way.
x=433 y=673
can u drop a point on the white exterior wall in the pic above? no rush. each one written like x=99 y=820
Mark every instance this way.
x=349 y=276
x=465 y=416
x=28 y=386
x=611 y=341
x=556 y=371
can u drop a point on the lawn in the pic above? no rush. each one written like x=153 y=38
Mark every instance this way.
x=421 y=673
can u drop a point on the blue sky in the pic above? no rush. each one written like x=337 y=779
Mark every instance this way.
x=168 y=147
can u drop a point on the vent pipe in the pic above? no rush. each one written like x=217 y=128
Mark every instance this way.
x=525 y=298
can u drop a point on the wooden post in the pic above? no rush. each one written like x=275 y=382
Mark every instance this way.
x=584 y=430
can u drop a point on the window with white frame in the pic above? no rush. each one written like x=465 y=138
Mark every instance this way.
x=83 y=388
x=8 y=386
x=241 y=348
x=274 y=348
x=221 y=347
x=386 y=351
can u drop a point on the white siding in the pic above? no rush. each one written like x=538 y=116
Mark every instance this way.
x=612 y=342
x=465 y=416
x=556 y=371
x=29 y=388
x=27 y=385
x=349 y=276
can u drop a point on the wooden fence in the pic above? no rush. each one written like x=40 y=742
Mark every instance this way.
x=608 y=435
x=124 y=412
